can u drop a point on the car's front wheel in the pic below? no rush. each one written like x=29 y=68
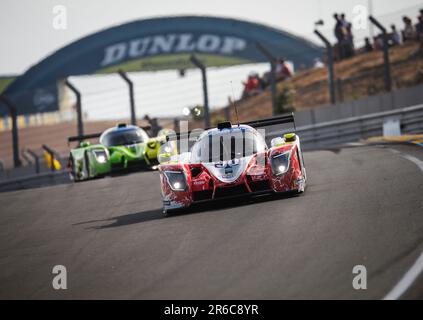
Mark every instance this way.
x=72 y=170
x=86 y=169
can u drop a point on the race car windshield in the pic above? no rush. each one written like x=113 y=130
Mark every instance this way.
x=122 y=137
x=224 y=147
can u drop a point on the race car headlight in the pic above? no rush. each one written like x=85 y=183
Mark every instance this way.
x=280 y=162
x=176 y=180
x=167 y=149
x=100 y=156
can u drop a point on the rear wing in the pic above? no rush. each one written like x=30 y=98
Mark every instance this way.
x=96 y=135
x=178 y=136
x=288 y=118
x=84 y=137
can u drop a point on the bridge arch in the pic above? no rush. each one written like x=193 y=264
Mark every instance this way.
x=155 y=44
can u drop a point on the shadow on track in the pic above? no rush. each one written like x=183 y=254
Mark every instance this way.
x=127 y=219
x=157 y=214
x=235 y=202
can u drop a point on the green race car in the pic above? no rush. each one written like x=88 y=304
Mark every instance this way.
x=121 y=148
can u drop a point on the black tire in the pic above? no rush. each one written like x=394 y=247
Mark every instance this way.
x=177 y=211
x=72 y=173
x=87 y=165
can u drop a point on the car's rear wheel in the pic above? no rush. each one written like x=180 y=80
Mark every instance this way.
x=73 y=176
x=86 y=169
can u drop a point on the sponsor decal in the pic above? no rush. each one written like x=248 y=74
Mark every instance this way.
x=171 y=43
x=228 y=170
x=43 y=99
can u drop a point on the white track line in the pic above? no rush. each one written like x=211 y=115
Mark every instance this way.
x=412 y=274
x=355 y=144
x=406 y=281
x=416 y=161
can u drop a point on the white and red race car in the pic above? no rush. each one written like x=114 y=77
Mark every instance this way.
x=233 y=160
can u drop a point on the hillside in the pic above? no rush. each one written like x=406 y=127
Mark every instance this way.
x=359 y=76
x=356 y=78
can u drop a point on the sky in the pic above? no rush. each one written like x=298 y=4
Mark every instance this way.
x=28 y=35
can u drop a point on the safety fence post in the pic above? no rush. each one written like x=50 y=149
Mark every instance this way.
x=131 y=96
x=78 y=107
x=331 y=73
x=386 y=64
x=272 y=61
x=15 y=137
x=202 y=67
x=53 y=156
x=36 y=158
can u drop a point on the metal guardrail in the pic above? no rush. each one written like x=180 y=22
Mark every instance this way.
x=35 y=157
x=312 y=137
x=356 y=128
x=37 y=163
x=34 y=180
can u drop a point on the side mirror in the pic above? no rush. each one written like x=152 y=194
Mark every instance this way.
x=276 y=142
x=84 y=144
x=290 y=137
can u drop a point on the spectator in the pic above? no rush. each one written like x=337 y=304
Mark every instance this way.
x=282 y=70
x=367 y=45
x=259 y=81
x=395 y=38
x=408 y=33
x=318 y=64
x=252 y=86
x=338 y=28
x=378 y=42
x=344 y=37
x=339 y=37
x=344 y=22
x=350 y=40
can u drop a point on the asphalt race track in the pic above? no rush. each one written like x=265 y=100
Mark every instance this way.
x=363 y=206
